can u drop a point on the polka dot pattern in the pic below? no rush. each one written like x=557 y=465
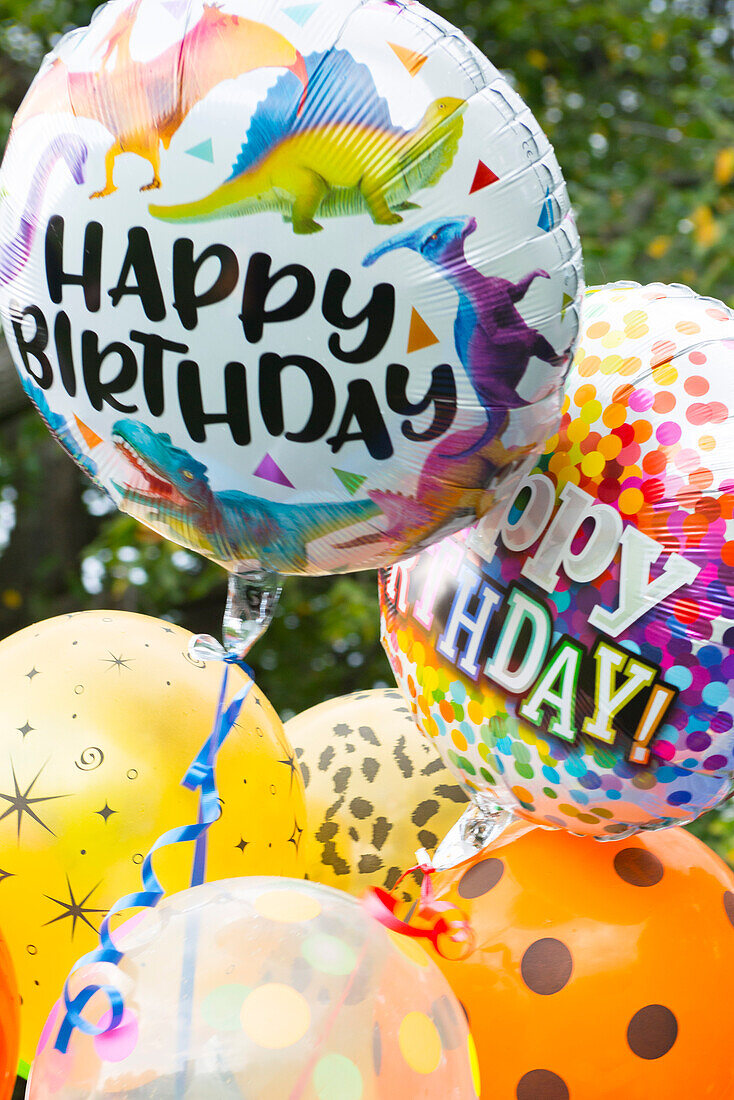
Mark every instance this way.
x=585 y=982
x=481 y=878
x=729 y=906
x=420 y=1043
x=541 y=1084
x=293 y=989
x=638 y=867
x=329 y=955
x=646 y=430
x=546 y=966
x=337 y=1078
x=275 y=1016
x=288 y=906
x=652 y=1031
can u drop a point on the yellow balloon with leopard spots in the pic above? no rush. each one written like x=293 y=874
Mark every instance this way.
x=376 y=791
x=102 y=712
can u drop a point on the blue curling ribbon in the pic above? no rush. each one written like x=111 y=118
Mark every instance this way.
x=200 y=776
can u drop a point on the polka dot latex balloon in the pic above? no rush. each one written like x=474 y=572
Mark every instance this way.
x=604 y=963
x=376 y=791
x=573 y=659
x=102 y=714
x=261 y=988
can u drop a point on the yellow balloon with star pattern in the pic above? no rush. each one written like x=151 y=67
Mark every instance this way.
x=102 y=712
x=376 y=791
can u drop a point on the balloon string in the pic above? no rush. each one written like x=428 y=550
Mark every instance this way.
x=199 y=776
x=305 y=1077
x=206 y=770
x=383 y=905
x=191 y=948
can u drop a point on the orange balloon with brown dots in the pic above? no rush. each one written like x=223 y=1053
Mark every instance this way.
x=600 y=970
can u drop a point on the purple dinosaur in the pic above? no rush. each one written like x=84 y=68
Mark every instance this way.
x=447 y=491
x=493 y=341
x=14 y=253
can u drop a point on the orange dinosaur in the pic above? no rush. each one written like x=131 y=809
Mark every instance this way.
x=143 y=103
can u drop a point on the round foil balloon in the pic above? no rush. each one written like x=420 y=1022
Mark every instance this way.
x=102 y=714
x=375 y=791
x=261 y=988
x=573 y=661
x=604 y=964
x=249 y=395
x=9 y=1021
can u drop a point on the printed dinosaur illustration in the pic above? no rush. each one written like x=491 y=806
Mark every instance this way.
x=339 y=155
x=143 y=103
x=15 y=252
x=59 y=426
x=448 y=490
x=231 y=524
x=493 y=342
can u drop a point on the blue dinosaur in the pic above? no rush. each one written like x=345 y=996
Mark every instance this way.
x=59 y=427
x=228 y=526
x=493 y=341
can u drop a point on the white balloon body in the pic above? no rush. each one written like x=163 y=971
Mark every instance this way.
x=291 y=282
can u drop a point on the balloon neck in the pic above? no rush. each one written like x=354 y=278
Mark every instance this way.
x=482 y=823
x=251 y=601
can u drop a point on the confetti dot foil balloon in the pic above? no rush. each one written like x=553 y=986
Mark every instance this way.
x=101 y=715
x=261 y=988
x=376 y=791
x=290 y=281
x=573 y=660
x=603 y=962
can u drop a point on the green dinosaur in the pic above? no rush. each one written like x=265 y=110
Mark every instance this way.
x=172 y=488
x=332 y=151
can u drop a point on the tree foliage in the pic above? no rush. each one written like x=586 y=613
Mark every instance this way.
x=638 y=99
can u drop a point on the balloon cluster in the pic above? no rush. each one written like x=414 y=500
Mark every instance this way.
x=289 y=410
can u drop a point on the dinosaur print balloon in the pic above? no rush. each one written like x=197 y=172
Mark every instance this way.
x=252 y=397
x=376 y=791
x=574 y=660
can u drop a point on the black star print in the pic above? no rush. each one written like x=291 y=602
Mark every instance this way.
x=167 y=630
x=290 y=763
x=295 y=838
x=5 y=874
x=74 y=909
x=116 y=662
x=21 y=804
x=258 y=702
x=242 y=845
x=105 y=813
x=26 y=729
x=34 y=672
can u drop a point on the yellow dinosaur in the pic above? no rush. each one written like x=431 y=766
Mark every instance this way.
x=334 y=151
